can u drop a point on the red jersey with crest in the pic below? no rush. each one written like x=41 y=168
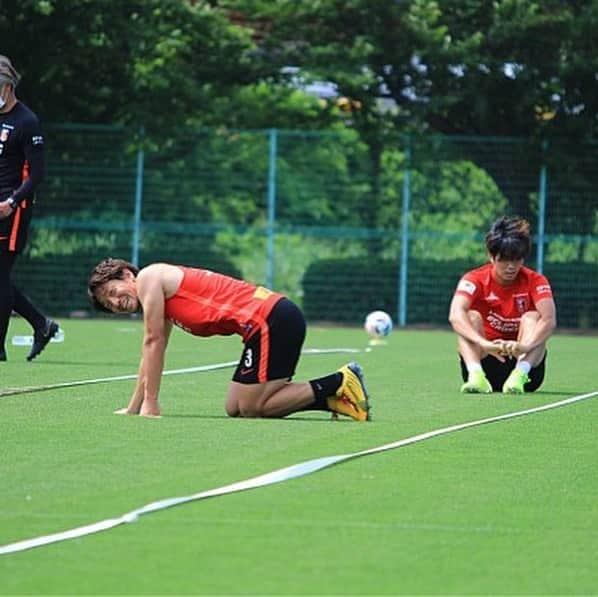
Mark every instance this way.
x=209 y=304
x=501 y=307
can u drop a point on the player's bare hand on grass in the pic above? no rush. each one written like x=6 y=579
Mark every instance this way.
x=150 y=408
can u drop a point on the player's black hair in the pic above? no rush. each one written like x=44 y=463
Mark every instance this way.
x=106 y=270
x=8 y=72
x=509 y=238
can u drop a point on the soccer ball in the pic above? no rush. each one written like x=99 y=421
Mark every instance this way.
x=378 y=324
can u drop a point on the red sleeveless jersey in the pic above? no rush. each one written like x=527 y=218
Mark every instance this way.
x=501 y=307
x=209 y=304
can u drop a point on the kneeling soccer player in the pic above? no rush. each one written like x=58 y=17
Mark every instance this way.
x=503 y=314
x=205 y=303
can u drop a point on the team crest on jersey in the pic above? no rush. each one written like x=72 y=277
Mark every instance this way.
x=4 y=135
x=37 y=140
x=521 y=303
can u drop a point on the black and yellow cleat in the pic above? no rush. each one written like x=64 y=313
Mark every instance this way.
x=351 y=399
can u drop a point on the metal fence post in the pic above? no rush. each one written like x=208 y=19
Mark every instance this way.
x=273 y=142
x=402 y=307
x=138 y=200
x=541 y=212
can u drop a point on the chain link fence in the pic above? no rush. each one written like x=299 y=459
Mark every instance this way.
x=342 y=228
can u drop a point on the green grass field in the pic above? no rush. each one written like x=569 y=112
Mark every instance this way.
x=504 y=508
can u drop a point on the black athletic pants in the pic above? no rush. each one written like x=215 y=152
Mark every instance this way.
x=11 y=298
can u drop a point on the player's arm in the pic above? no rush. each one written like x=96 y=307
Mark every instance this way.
x=134 y=405
x=35 y=161
x=136 y=400
x=459 y=320
x=155 y=339
x=33 y=148
x=32 y=143
x=542 y=331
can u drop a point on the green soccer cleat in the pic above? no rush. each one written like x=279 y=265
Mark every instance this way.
x=515 y=382
x=351 y=399
x=477 y=383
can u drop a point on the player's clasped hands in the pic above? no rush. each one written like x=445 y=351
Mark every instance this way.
x=507 y=348
x=495 y=348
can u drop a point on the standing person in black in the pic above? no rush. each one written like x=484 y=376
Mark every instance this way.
x=21 y=171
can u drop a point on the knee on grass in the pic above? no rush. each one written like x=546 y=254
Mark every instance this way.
x=253 y=411
x=249 y=412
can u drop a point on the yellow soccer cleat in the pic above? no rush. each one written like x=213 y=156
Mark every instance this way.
x=477 y=383
x=351 y=399
x=515 y=382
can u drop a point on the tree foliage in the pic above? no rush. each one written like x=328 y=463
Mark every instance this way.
x=163 y=64
x=524 y=68
x=460 y=67
x=511 y=67
x=156 y=63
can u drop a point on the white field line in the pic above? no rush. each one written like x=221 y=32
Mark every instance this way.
x=277 y=476
x=86 y=382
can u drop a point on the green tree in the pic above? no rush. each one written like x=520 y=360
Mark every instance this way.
x=163 y=64
x=160 y=63
x=460 y=67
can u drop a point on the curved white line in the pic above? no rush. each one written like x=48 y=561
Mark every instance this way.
x=214 y=367
x=277 y=476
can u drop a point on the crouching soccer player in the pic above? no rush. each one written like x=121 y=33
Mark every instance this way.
x=503 y=314
x=205 y=303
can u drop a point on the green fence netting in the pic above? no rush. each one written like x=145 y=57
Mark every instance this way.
x=314 y=214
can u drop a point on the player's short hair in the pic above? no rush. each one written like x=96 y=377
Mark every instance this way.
x=8 y=73
x=509 y=238
x=106 y=270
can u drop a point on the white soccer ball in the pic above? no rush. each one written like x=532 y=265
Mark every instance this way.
x=378 y=324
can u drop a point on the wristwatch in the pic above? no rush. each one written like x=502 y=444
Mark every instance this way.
x=12 y=203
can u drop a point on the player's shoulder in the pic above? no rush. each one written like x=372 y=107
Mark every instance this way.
x=472 y=281
x=531 y=274
x=479 y=273
x=25 y=115
x=164 y=275
x=154 y=271
x=27 y=125
x=536 y=283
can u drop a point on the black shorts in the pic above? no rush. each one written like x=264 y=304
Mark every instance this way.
x=273 y=352
x=497 y=372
